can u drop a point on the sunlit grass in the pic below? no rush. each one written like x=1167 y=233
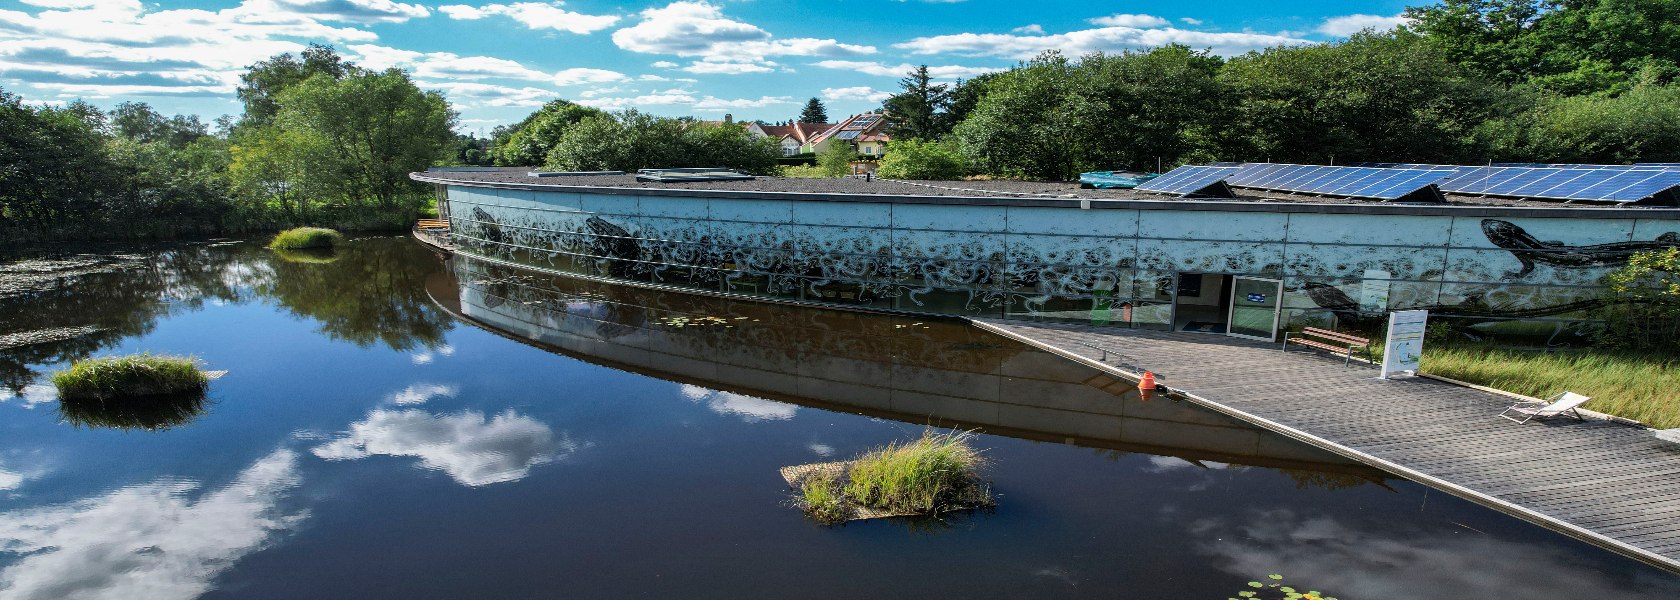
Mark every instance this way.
x=930 y=475
x=138 y=375
x=306 y=237
x=1642 y=387
x=821 y=498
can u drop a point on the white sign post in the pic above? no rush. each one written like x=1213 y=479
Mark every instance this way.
x=1404 y=347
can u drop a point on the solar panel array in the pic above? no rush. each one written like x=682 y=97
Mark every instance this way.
x=1352 y=182
x=1615 y=185
x=1193 y=181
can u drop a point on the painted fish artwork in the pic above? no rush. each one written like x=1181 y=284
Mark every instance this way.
x=1531 y=250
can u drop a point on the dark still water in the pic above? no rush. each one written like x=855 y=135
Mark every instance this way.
x=394 y=425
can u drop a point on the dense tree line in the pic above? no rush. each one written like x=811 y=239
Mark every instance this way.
x=320 y=141
x=1469 y=81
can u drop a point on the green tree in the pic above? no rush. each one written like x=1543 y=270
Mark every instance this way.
x=1140 y=109
x=55 y=174
x=1565 y=46
x=285 y=172
x=261 y=85
x=1646 y=292
x=1374 y=97
x=528 y=142
x=633 y=140
x=917 y=159
x=814 y=112
x=1641 y=125
x=379 y=127
x=1487 y=37
x=965 y=96
x=836 y=159
x=1024 y=126
x=919 y=111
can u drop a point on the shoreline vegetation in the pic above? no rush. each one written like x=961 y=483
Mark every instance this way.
x=934 y=474
x=1642 y=386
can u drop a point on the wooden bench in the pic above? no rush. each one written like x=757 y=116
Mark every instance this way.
x=432 y=224
x=1333 y=341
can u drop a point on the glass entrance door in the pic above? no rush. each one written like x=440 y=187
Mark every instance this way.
x=1254 y=307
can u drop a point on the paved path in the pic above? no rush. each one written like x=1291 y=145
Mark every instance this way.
x=1610 y=484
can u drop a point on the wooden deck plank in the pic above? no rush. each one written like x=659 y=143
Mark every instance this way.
x=1610 y=484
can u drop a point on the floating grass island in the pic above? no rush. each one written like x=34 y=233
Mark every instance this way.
x=134 y=376
x=302 y=238
x=937 y=473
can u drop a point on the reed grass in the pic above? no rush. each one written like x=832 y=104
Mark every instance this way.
x=136 y=375
x=932 y=474
x=821 y=497
x=1642 y=387
x=306 y=237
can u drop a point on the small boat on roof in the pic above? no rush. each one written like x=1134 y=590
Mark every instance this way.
x=1123 y=180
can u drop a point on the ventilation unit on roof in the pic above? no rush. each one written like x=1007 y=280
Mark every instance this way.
x=699 y=174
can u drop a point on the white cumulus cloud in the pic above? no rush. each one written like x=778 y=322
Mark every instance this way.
x=534 y=15
x=862 y=92
x=1348 y=25
x=900 y=70
x=151 y=540
x=1085 y=41
x=723 y=45
x=1126 y=20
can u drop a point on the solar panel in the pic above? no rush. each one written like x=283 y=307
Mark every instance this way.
x=701 y=174
x=1352 y=182
x=847 y=135
x=1193 y=181
x=1603 y=184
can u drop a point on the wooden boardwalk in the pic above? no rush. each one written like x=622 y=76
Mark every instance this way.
x=1613 y=485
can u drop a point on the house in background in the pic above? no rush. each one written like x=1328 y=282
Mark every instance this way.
x=865 y=133
x=792 y=137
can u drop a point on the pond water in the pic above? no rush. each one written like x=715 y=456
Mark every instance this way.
x=398 y=425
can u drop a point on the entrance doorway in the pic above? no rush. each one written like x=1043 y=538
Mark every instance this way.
x=1202 y=303
x=1255 y=304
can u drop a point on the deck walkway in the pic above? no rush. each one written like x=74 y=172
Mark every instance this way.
x=1610 y=484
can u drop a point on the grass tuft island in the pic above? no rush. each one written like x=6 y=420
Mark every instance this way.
x=134 y=376
x=306 y=238
x=934 y=474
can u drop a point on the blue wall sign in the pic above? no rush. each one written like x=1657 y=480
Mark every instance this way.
x=1256 y=297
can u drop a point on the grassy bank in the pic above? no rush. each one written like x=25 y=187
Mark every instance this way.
x=1642 y=387
x=138 y=375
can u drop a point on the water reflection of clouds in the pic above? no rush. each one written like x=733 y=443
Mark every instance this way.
x=472 y=449
x=148 y=540
x=748 y=408
x=430 y=355
x=421 y=393
x=32 y=395
x=1322 y=553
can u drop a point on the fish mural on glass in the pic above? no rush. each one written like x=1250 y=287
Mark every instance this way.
x=1531 y=250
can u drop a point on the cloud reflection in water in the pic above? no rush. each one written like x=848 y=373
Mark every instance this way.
x=748 y=408
x=472 y=449
x=146 y=541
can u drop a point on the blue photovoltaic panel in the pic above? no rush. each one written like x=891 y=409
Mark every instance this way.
x=1353 y=182
x=1606 y=184
x=1188 y=181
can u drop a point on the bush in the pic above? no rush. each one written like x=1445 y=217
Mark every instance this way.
x=804 y=171
x=306 y=237
x=131 y=376
x=836 y=159
x=632 y=140
x=913 y=159
x=1646 y=296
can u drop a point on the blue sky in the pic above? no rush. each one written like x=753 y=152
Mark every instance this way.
x=499 y=60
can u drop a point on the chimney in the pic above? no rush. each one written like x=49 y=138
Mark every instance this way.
x=728 y=118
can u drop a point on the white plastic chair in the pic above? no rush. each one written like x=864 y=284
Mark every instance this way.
x=1560 y=404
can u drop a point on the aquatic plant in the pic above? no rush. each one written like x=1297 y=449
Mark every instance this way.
x=306 y=237
x=1274 y=587
x=821 y=497
x=133 y=376
x=927 y=476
